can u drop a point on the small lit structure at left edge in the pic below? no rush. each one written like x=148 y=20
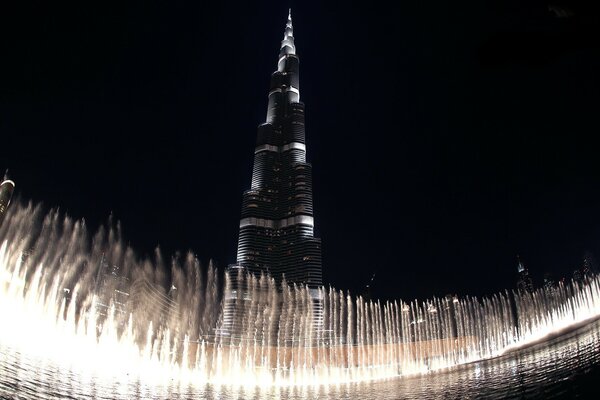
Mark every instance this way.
x=6 y=190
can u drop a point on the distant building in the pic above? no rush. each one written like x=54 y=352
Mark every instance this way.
x=590 y=266
x=548 y=281
x=145 y=301
x=578 y=275
x=524 y=283
x=6 y=190
x=112 y=289
x=150 y=303
x=587 y=269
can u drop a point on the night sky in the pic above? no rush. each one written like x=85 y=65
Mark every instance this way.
x=445 y=138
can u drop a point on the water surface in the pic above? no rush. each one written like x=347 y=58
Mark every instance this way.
x=564 y=367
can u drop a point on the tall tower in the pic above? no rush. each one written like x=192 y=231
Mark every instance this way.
x=277 y=225
x=524 y=283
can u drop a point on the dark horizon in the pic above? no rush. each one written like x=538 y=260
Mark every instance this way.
x=444 y=140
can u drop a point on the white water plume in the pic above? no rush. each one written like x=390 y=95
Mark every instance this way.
x=91 y=303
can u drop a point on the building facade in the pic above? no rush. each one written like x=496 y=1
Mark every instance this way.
x=524 y=282
x=150 y=303
x=276 y=234
x=111 y=290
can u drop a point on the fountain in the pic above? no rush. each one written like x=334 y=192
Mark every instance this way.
x=91 y=302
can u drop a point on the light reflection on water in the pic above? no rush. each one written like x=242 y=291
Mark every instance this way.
x=565 y=367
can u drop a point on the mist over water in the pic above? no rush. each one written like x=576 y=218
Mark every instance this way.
x=69 y=308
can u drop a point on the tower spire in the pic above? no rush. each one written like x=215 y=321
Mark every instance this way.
x=520 y=266
x=287 y=44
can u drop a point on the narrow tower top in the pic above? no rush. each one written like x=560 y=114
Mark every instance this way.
x=520 y=266
x=6 y=179
x=287 y=44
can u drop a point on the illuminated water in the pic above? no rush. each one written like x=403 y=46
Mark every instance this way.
x=61 y=336
x=565 y=368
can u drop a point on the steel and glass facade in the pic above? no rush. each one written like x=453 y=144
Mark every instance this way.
x=277 y=222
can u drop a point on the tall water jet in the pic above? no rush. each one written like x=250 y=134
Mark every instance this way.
x=49 y=282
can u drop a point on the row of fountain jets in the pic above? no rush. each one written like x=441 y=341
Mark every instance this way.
x=54 y=280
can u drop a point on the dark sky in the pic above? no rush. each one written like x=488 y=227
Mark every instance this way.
x=445 y=137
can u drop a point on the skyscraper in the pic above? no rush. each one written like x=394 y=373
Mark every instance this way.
x=277 y=226
x=276 y=234
x=524 y=283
